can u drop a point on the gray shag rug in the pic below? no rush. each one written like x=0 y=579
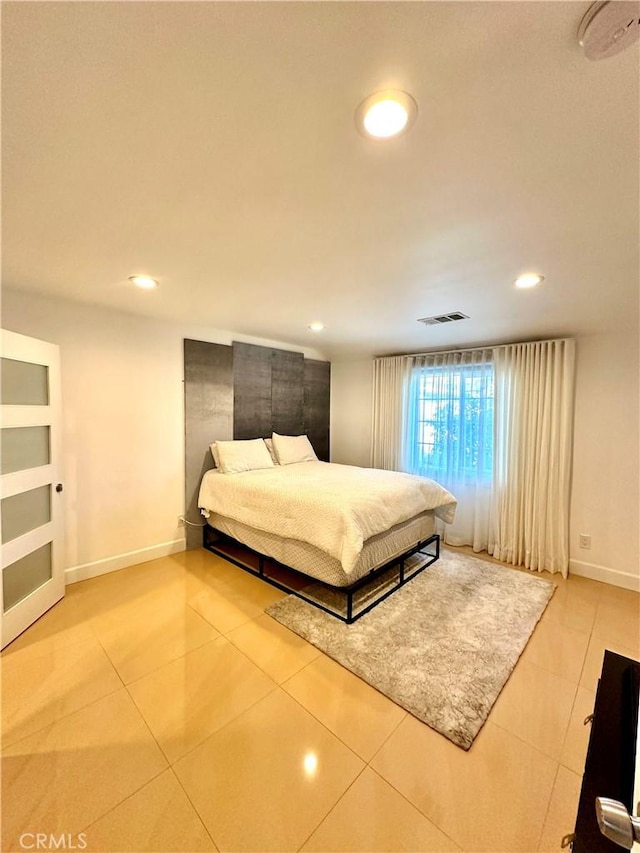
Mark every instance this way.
x=442 y=647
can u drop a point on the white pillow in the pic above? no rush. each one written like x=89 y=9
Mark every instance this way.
x=214 y=452
x=216 y=459
x=293 y=448
x=272 y=453
x=237 y=456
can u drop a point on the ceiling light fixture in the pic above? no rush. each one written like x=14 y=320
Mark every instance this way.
x=386 y=114
x=143 y=281
x=529 y=279
x=316 y=327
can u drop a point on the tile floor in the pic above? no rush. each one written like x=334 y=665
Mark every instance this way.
x=158 y=708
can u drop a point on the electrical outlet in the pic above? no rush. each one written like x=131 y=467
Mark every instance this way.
x=585 y=541
x=181 y=521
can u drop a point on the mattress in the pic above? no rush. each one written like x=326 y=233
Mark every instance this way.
x=335 y=508
x=311 y=561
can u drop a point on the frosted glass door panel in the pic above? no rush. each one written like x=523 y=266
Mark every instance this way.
x=24 y=447
x=26 y=575
x=31 y=532
x=24 y=383
x=25 y=511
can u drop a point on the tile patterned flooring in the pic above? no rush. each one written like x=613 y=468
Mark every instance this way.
x=158 y=709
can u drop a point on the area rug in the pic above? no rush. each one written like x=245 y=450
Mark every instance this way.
x=442 y=647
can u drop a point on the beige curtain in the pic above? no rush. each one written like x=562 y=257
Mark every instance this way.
x=390 y=376
x=534 y=397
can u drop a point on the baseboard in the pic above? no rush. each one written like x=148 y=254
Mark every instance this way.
x=605 y=575
x=122 y=561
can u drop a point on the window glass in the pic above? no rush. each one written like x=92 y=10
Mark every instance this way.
x=452 y=432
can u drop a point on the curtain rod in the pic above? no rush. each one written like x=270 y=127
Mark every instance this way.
x=476 y=348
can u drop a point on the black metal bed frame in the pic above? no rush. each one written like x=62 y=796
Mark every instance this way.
x=349 y=591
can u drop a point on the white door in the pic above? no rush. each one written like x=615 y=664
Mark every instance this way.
x=30 y=484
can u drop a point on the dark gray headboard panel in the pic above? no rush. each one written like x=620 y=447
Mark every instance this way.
x=247 y=391
x=287 y=392
x=317 y=393
x=268 y=391
x=208 y=407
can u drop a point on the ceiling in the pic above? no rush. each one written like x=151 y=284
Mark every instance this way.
x=212 y=145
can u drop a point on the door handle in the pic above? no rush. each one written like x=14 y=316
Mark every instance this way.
x=59 y=487
x=616 y=823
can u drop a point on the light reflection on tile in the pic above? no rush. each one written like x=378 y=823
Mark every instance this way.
x=142 y=637
x=189 y=698
x=353 y=710
x=39 y=689
x=234 y=600
x=272 y=647
x=61 y=626
x=274 y=760
x=133 y=586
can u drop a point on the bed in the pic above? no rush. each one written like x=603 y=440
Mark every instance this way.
x=337 y=524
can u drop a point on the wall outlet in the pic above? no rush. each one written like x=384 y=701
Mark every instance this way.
x=585 y=540
x=181 y=521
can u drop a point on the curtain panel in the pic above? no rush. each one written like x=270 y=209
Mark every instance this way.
x=390 y=378
x=532 y=463
x=495 y=427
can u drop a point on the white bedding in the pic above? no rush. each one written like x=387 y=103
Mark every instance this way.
x=334 y=507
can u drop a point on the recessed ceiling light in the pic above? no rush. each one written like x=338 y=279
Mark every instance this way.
x=316 y=327
x=529 y=279
x=386 y=114
x=143 y=281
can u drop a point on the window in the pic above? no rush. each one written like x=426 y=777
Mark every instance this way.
x=495 y=427
x=451 y=421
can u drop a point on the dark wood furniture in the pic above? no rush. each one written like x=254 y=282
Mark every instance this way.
x=610 y=764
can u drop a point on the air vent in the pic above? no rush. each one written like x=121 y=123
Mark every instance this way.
x=444 y=318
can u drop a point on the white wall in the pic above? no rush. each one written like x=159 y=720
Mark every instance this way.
x=604 y=502
x=351 y=405
x=123 y=431
x=605 y=487
x=123 y=426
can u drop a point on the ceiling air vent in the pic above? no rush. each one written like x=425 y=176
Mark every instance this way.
x=443 y=318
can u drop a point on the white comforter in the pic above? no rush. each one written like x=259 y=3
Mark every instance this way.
x=334 y=507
